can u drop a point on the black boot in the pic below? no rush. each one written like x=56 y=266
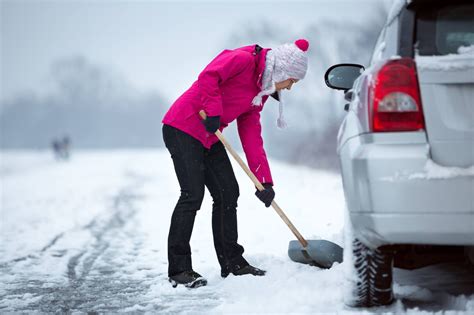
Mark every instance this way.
x=189 y=279
x=238 y=270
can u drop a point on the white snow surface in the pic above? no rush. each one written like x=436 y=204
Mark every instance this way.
x=90 y=235
x=436 y=171
x=451 y=62
x=466 y=50
x=378 y=54
x=432 y=171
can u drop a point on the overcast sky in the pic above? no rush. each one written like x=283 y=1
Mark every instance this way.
x=155 y=45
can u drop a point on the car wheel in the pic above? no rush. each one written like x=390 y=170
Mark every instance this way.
x=372 y=284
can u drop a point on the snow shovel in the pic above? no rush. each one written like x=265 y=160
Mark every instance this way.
x=320 y=253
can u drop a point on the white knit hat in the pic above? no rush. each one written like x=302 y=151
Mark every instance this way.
x=288 y=61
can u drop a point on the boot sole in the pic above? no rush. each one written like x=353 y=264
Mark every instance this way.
x=244 y=274
x=199 y=282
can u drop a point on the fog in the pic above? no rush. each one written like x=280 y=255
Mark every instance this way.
x=101 y=104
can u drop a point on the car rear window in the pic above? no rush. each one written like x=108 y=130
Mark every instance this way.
x=441 y=30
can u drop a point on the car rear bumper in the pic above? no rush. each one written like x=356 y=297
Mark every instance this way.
x=375 y=229
x=395 y=192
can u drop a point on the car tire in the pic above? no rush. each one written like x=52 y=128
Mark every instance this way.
x=373 y=284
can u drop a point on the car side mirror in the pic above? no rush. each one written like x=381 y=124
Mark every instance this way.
x=342 y=76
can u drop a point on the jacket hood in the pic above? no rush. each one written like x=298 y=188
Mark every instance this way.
x=259 y=60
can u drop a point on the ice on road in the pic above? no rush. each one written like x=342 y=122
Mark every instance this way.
x=90 y=234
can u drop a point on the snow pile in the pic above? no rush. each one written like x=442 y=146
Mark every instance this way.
x=432 y=171
x=378 y=54
x=466 y=50
x=436 y=171
x=451 y=62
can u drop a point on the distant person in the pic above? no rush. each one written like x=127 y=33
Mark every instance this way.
x=56 y=146
x=235 y=85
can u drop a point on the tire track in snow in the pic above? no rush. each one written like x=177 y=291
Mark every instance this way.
x=106 y=228
x=123 y=212
x=103 y=230
x=33 y=256
x=52 y=242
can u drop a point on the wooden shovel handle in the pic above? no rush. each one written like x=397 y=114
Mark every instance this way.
x=257 y=184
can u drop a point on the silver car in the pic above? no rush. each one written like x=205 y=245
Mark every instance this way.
x=406 y=146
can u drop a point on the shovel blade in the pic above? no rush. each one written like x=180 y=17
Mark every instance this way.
x=321 y=253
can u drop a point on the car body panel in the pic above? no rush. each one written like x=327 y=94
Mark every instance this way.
x=389 y=189
x=376 y=230
x=448 y=106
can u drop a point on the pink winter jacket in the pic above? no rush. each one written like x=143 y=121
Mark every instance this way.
x=226 y=88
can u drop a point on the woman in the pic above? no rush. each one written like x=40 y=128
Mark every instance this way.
x=235 y=85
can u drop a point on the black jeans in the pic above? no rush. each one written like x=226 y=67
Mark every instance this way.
x=196 y=167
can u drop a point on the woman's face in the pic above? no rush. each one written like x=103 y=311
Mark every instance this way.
x=287 y=84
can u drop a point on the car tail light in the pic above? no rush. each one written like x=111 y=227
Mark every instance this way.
x=394 y=96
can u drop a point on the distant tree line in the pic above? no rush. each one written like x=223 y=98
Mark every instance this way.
x=92 y=104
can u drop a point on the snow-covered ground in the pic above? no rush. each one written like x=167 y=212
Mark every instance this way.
x=90 y=235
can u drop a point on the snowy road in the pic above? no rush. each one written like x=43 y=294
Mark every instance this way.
x=89 y=235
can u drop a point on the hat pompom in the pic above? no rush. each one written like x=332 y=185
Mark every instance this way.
x=302 y=44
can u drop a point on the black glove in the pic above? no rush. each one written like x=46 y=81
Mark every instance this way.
x=212 y=123
x=267 y=195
